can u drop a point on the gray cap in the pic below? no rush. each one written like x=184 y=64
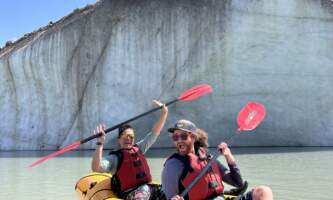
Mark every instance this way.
x=184 y=125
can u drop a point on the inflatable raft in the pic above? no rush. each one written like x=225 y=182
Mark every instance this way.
x=96 y=186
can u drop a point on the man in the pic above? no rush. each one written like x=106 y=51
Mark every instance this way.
x=130 y=170
x=182 y=167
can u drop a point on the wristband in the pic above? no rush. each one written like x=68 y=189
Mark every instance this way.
x=99 y=143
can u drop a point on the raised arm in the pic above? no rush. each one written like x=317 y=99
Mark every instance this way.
x=160 y=123
x=233 y=177
x=97 y=158
x=225 y=151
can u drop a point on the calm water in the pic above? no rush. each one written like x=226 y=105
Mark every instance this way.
x=292 y=173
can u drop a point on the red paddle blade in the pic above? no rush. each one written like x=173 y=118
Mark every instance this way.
x=195 y=92
x=63 y=150
x=250 y=116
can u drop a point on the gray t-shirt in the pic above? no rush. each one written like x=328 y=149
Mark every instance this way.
x=109 y=163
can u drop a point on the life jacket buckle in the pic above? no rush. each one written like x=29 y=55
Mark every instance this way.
x=140 y=175
x=213 y=184
x=137 y=163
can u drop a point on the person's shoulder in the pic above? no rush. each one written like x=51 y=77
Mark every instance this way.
x=173 y=162
x=172 y=159
x=173 y=167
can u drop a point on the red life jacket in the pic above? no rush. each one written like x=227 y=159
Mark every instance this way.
x=210 y=185
x=132 y=171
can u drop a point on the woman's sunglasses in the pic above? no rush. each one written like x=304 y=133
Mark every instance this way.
x=127 y=136
x=182 y=137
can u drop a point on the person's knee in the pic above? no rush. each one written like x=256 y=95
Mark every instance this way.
x=262 y=193
x=141 y=193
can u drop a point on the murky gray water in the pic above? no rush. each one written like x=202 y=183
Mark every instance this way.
x=292 y=173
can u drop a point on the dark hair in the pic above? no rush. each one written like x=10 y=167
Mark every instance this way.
x=122 y=128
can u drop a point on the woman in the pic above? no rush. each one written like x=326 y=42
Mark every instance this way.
x=128 y=165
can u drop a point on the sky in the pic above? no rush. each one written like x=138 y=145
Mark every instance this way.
x=18 y=17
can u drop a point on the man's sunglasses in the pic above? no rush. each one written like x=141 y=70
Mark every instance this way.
x=182 y=137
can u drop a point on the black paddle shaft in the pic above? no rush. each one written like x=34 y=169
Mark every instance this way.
x=197 y=178
x=125 y=122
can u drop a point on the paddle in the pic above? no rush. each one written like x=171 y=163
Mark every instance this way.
x=189 y=95
x=248 y=119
